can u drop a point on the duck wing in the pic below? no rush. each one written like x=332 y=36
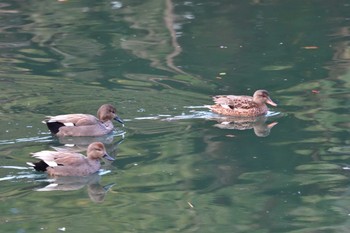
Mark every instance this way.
x=73 y=119
x=234 y=101
x=71 y=159
x=55 y=158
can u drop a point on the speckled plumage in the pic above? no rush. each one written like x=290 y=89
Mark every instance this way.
x=242 y=106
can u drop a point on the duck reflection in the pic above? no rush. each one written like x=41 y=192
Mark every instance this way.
x=80 y=144
x=105 y=139
x=96 y=191
x=258 y=124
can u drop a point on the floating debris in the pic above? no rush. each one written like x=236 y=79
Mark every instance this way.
x=277 y=67
x=310 y=47
x=116 y=5
x=190 y=204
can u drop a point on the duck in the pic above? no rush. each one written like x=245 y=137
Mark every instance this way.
x=241 y=105
x=84 y=124
x=58 y=163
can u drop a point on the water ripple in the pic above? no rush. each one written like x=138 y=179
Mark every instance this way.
x=29 y=139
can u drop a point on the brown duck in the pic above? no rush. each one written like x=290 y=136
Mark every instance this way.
x=57 y=163
x=84 y=124
x=242 y=106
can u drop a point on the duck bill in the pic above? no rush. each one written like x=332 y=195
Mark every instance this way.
x=108 y=157
x=270 y=102
x=119 y=120
x=272 y=125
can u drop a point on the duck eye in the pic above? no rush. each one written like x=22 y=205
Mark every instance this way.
x=264 y=94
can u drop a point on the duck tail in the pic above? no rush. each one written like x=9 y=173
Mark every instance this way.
x=39 y=166
x=54 y=126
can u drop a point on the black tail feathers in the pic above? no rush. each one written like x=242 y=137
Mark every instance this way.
x=54 y=126
x=40 y=166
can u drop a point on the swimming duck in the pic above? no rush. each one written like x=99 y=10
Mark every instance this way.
x=57 y=163
x=242 y=106
x=84 y=124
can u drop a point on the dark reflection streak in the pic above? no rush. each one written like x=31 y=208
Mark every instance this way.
x=169 y=22
x=66 y=55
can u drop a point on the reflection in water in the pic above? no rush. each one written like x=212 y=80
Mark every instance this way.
x=261 y=128
x=79 y=144
x=29 y=139
x=154 y=44
x=95 y=190
x=170 y=22
x=85 y=141
x=259 y=124
x=22 y=174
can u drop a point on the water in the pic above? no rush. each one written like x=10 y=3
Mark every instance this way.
x=178 y=168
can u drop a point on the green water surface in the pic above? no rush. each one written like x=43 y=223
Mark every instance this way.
x=178 y=168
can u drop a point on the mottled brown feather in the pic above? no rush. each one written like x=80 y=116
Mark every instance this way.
x=242 y=106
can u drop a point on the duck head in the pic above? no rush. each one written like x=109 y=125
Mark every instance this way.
x=108 y=112
x=97 y=150
x=263 y=97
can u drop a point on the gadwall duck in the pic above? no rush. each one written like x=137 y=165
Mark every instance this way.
x=242 y=106
x=84 y=124
x=57 y=163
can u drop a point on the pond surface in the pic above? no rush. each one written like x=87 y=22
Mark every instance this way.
x=178 y=168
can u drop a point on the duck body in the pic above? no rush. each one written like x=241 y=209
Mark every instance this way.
x=57 y=163
x=242 y=106
x=83 y=124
